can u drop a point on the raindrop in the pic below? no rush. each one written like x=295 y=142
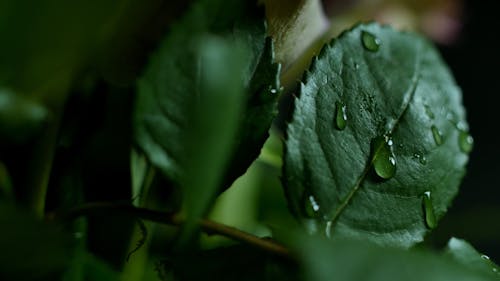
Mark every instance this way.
x=438 y=136
x=311 y=206
x=429 y=112
x=340 y=115
x=383 y=159
x=465 y=141
x=430 y=217
x=370 y=41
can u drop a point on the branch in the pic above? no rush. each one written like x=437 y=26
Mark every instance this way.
x=208 y=226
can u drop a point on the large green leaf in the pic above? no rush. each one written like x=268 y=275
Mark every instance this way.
x=464 y=253
x=171 y=85
x=356 y=260
x=378 y=123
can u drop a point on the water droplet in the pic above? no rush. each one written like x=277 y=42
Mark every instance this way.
x=383 y=159
x=438 y=136
x=370 y=41
x=328 y=229
x=430 y=218
x=356 y=66
x=311 y=206
x=429 y=112
x=465 y=141
x=485 y=257
x=421 y=158
x=340 y=115
x=273 y=91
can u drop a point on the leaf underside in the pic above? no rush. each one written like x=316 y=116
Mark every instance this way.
x=401 y=90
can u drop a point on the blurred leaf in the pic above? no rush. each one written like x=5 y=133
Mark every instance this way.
x=357 y=260
x=377 y=124
x=209 y=139
x=5 y=183
x=169 y=87
x=31 y=249
x=48 y=41
x=464 y=253
x=87 y=267
x=191 y=99
x=240 y=262
x=20 y=117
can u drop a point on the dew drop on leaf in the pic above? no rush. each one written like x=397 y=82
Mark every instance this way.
x=383 y=159
x=370 y=41
x=429 y=112
x=340 y=115
x=438 y=136
x=421 y=158
x=465 y=141
x=430 y=218
x=311 y=206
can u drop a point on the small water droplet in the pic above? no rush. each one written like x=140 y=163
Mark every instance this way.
x=383 y=159
x=340 y=115
x=438 y=136
x=429 y=112
x=465 y=141
x=311 y=206
x=356 y=66
x=430 y=218
x=273 y=91
x=421 y=158
x=370 y=41
x=485 y=257
x=328 y=229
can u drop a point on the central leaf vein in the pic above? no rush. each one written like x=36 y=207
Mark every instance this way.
x=408 y=96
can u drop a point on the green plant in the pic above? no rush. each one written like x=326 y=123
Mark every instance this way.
x=124 y=141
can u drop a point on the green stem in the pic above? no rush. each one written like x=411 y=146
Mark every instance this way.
x=209 y=227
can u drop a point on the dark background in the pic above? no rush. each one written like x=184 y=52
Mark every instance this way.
x=474 y=59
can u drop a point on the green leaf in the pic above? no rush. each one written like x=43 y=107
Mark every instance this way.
x=465 y=254
x=357 y=260
x=21 y=118
x=170 y=88
x=369 y=178
x=87 y=267
x=31 y=249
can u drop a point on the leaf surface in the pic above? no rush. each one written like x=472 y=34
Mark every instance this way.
x=399 y=104
x=464 y=253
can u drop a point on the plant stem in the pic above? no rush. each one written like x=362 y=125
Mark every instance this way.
x=208 y=226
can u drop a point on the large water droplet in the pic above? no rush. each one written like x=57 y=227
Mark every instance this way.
x=430 y=217
x=383 y=159
x=311 y=206
x=340 y=115
x=465 y=141
x=438 y=136
x=370 y=41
